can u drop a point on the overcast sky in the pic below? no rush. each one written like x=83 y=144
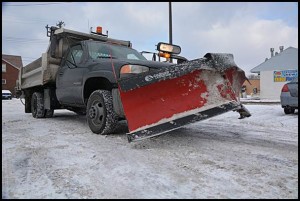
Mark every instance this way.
x=246 y=29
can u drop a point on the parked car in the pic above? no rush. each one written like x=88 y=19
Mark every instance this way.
x=6 y=94
x=289 y=96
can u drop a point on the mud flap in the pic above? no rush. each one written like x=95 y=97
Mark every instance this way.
x=160 y=101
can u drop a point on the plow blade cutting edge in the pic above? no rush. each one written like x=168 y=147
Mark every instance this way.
x=159 y=101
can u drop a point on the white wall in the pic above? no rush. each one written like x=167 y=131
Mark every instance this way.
x=268 y=88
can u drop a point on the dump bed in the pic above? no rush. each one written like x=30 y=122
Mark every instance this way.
x=39 y=72
x=43 y=70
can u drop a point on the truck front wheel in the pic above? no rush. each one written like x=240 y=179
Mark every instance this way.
x=101 y=116
x=37 y=105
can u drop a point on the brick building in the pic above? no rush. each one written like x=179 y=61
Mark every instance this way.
x=11 y=65
x=252 y=88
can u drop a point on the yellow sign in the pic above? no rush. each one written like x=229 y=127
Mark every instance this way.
x=279 y=79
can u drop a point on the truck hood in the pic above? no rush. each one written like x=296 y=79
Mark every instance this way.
x=106 y=64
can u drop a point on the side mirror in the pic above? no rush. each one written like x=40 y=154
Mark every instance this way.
x=154 y=57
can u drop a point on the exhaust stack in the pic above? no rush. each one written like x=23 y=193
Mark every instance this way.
x=281 y=48
x=272 y=52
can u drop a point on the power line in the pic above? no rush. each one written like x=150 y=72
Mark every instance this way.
x=38 y=4
x=31 y=42
x=25 y=21
x=16 y=38
x=26 y=41
x=28 y=58
x=10 y=39
x=21 y=41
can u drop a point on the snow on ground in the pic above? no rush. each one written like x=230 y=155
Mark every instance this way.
x=222 y=157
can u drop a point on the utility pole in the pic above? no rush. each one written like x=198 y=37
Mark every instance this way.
x=170 y=26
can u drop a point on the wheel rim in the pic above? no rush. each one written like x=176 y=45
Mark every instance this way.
x=96 y=113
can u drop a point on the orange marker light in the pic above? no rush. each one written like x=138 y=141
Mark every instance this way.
x=99 y=30
x=165 y=55
x=126 y=69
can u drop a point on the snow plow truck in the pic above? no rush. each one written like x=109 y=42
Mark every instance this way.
x=109 y=81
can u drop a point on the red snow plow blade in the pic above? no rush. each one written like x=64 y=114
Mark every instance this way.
x=159 y=101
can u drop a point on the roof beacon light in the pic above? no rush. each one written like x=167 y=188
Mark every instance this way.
x=99 y=30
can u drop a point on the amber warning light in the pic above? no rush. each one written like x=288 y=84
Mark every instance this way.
x=164 y=54
x=99 y=30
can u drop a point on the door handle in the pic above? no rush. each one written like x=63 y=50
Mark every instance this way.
x=61 y=73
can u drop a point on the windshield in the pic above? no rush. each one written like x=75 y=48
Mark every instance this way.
x=105 y=50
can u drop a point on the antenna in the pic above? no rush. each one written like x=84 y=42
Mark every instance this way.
x=60 y=23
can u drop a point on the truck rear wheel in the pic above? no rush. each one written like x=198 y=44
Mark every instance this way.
x=101 y=116
x=37 y=105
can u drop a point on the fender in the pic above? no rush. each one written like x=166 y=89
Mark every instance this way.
x=107 y=75
x=101 y=74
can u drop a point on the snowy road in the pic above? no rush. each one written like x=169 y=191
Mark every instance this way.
x=222 y=157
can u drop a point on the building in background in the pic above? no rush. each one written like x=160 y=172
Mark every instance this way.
x=251 y=87
x=11 y=64
x=276 y=71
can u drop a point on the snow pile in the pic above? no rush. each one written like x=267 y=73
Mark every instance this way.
x=221 y=157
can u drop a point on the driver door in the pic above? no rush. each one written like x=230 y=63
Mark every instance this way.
x=69 y=77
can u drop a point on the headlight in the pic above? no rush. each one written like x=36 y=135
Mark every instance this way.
x=133 y=69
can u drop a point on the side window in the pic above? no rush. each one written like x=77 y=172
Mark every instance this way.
x=132 y=56
x=75 y=54
x=3 y=68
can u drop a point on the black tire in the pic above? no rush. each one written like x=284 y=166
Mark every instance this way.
x=289 y=110
x=49 y=113
x=101 y=116
x=37 y=105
